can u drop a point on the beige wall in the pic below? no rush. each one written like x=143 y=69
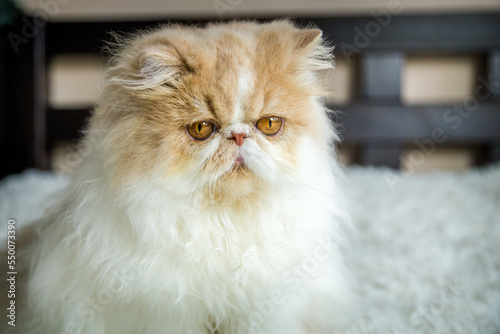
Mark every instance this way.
x=114 y=9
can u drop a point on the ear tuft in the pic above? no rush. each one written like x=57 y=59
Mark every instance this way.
x=308 y=37
x=314 y=54
x=160 y=64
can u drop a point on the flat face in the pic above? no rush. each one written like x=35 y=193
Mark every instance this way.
x=226 y=105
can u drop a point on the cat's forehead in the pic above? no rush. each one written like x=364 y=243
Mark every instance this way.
x=231 y=71
x=236 y=75
x=228 y=81
x=233 y=97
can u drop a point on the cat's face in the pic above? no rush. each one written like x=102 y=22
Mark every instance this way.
x=223 y=109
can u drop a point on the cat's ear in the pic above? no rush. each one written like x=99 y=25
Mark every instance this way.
x=161 y=64
x=315 y=55
x=308 y=38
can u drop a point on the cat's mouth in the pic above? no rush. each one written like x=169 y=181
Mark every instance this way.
x=239 y=161
x=238 y=165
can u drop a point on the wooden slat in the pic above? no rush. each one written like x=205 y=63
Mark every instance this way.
x=450 y=33
x=494 y=152
x=494 y=71
x=20 y=100
x=381 y=76
x=40 y=100
x=365 y=123
x=66 y=124
x=3 y=91
x=404 y=33
x=381 y=155
x=358 y=123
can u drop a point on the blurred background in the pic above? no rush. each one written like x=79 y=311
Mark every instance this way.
x=416 y=82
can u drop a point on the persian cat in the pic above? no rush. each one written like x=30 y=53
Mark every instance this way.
x=210 y=201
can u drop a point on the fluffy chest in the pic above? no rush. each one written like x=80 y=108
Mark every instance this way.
x=215 y=250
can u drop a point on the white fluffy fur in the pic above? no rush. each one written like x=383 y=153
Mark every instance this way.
x=426 y=254
x=151 y=261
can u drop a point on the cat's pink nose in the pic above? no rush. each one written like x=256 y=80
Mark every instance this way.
x=238 y=138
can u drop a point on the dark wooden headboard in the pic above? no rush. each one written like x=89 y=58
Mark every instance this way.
x=376 y=122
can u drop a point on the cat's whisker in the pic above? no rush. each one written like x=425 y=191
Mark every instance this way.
x=193 y=191
x=298 y=182
x=289 y=178
x=188 y=184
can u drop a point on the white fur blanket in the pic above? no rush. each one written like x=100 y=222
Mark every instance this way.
x=425 y=255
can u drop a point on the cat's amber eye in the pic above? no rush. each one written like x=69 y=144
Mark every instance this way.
x=201 y=130
x=270 y=125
